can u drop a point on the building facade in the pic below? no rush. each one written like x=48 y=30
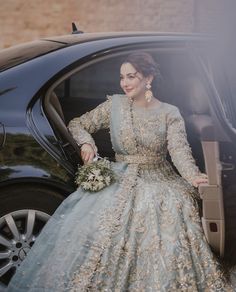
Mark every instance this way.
x=26 y=20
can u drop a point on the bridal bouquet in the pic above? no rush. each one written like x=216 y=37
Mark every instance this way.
x=96 y=175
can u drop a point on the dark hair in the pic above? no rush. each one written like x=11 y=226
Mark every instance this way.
x=144 y=63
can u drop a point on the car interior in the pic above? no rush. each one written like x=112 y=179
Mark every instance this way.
x=85 y=87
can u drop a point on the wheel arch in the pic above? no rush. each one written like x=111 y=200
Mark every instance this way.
x=62 y=190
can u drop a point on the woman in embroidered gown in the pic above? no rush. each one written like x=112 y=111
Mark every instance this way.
x=143 y=232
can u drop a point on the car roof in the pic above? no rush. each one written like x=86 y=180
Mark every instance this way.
x=18 y=54
x=83 y=37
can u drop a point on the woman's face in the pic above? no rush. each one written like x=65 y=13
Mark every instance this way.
x=132 y=82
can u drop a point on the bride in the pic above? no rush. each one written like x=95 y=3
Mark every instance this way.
x=143 y=232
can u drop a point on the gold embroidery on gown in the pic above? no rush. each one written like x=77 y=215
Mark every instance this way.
x=151 y=239
x=90 y=122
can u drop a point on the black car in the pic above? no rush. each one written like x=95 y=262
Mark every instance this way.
x=44 y=84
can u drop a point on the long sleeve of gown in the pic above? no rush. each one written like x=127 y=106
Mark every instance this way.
x=82 y=127
x=179 y=148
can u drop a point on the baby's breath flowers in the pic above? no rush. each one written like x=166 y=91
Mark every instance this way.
x=95 y=176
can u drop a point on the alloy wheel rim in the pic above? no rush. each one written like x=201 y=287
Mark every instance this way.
x=18 y=232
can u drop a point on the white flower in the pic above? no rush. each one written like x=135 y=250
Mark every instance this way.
x=85 y=185
x=96 y=172
x=107 y=180
x=100 y=185
x=94 y=187
x=94 y=177
x=91 y=176
x=99 y=178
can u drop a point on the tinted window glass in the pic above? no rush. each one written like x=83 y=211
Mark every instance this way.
x=179 y=84
x=21 y=53
x=224 y=81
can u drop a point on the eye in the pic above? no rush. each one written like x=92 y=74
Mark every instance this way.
x=131 y=76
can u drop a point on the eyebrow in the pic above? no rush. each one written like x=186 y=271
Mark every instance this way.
x=131 y=73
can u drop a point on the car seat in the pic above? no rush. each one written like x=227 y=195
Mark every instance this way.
x=56 y=118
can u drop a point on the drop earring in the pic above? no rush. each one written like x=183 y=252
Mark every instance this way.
x=148 y=92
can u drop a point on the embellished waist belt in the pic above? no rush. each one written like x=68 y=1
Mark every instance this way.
x=139 y=159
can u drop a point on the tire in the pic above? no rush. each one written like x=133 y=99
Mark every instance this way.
x=24 y=211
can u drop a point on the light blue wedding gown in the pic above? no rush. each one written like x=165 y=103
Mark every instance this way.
x=143 y=232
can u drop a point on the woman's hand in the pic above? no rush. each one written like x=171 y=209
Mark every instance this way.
x=87 y=153
x=199 y=180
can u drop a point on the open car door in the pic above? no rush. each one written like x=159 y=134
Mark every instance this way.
x=218 y=137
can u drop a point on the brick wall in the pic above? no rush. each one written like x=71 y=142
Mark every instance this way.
x=156 y=15
x=25 y=20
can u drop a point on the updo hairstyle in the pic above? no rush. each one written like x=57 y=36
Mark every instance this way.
x=145 y=64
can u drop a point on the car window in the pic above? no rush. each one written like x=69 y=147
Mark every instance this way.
x=86 y=89
x=21 y=53
x=225 y=84
x=177 y=85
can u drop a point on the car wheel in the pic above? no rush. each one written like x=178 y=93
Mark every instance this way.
x=23 y=214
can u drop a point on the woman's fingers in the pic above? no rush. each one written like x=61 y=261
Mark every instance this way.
x=198 y=181
x=87 y=156
x=87 y=153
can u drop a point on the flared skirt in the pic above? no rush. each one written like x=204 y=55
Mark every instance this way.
x=142 y=233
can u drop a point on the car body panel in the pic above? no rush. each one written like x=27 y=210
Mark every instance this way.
x=23 y=159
